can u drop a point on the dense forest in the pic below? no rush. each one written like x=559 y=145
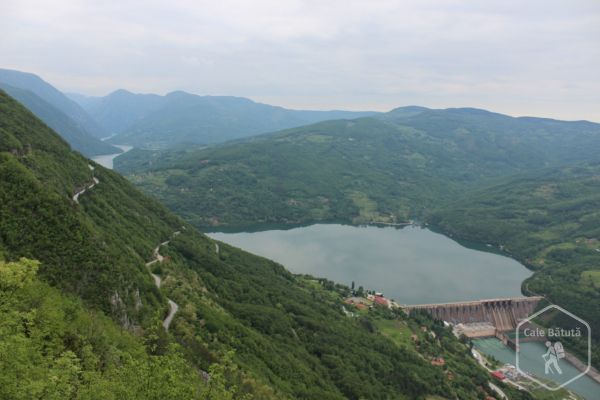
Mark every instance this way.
x=82 y=318
x=389 y=168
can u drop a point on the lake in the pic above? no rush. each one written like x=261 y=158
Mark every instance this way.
x=412 y=265
x=107 y=159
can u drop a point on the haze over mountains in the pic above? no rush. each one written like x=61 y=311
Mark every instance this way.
x=153 y=121
x=59 y=112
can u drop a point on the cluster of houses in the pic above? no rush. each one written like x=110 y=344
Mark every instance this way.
x=368 y=301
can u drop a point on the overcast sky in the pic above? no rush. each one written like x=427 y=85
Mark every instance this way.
x=518 y=57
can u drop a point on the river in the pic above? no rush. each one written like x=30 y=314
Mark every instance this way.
x=530 y=360
x=411 y=265
x=107 y=159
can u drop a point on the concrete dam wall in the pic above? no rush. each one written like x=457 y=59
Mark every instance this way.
x=503 y=314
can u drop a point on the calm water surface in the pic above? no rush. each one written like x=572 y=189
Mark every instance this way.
x=530 y=360
x=411 y=265
x=107 y=159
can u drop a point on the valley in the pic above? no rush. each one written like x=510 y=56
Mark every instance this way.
x=57 y=111
x=107 y=160
x=257 y=329
x=467 y=173
x=299 y=200
x=151 y=121
x=386 y=170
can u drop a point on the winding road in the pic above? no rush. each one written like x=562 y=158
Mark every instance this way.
x=95 y=181
x=173 y=307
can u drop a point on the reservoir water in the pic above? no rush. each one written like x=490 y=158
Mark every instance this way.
x=530 y=360
x=107 y=159
x=411 y=265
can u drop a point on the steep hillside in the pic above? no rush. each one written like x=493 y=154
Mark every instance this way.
x=53 y=347
x=72 y=132
x=94 y=248
x=53 y=96
x=152 y=121
x=258 y=330
x=388 y=168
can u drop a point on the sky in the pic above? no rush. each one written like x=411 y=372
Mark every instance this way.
x=530 y=57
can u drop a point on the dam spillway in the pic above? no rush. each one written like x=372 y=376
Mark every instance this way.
x=502 y=314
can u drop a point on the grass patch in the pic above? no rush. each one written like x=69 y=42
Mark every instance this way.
x=591 y=278
x=397 y=331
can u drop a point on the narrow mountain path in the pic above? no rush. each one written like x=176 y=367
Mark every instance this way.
x=173 y=307
x=217 y=247
x=95 y=181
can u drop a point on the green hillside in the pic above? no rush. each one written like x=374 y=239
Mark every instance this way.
x=549 y=220
x=258 y=330
x=389 y=168
x=68 y=129
x=52 y=347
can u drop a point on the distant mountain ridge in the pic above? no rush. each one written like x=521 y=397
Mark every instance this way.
x=153 y=121
x=61 y=123
x=59 y=112
x=118 y=110
x=47 y=92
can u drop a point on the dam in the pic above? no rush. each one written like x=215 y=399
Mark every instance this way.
x=481 y=318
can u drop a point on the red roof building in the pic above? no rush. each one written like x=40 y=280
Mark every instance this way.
x=498 y=375
x=382 y=301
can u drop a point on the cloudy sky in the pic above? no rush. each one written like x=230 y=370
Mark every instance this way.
x=517 y=57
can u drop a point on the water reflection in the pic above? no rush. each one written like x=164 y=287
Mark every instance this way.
x=107 y=159
x=411 y=265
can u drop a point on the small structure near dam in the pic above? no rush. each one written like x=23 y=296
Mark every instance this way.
x=482 y=318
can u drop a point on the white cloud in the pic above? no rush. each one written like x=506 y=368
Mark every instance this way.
x=535 y=57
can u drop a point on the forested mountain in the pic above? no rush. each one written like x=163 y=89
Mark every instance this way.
x=66 y=127
x=54 y=97
x=152 y=121
x=258 y=330
x=392 y=167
